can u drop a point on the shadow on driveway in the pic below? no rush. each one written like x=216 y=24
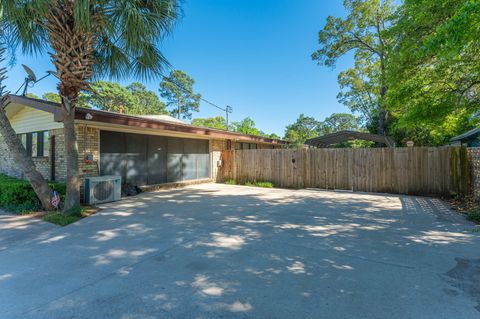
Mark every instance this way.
x=216 y=251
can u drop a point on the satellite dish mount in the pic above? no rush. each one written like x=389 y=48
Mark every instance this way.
x=30 y=80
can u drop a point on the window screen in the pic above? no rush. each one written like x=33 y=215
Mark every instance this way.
x=36 y=144
x=34 y=152
x=46 y=144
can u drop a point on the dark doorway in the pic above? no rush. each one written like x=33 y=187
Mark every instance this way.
x=148 y=159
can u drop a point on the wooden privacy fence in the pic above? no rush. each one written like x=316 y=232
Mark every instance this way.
x=418 y=170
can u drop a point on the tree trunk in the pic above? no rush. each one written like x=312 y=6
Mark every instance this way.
x=72 y=200
x=382 y=115
x=25 y=162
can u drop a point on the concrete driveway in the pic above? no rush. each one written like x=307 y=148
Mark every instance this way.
x=218 y=251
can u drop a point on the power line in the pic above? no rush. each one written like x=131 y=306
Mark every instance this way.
x=228 y=109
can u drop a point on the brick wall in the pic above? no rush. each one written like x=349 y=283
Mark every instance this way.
x=8 y=166
x=474 y=155
x=59 y=149
x=88 y=144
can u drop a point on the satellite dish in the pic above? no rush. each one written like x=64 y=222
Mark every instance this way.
x=31 y=79
x=31 y=76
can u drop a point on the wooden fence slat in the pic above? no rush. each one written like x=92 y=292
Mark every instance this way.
x=419 y=170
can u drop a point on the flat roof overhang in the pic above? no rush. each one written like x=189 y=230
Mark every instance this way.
x=132 y=122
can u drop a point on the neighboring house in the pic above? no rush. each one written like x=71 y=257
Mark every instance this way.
x=144 y=150
x=469 y=139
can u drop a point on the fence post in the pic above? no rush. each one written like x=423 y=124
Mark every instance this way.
x=234 y=165
x=306 y=165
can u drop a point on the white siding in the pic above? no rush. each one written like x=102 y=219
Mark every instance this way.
x=31 y=120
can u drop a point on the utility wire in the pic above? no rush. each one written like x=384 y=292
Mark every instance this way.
x=228 y=109
x=201 y=98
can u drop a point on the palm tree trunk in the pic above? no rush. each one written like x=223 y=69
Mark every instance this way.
x=25 y=162
x=72 y=200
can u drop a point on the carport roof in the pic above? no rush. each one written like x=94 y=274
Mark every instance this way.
x=344 y=136
x=137 y=121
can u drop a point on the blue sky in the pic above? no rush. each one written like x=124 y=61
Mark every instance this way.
x=251 y=54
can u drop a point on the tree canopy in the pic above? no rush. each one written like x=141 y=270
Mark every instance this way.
x=247 y=126
x=416 y=66
x=177 y=90
x=218 y=122
x=134 y=99
x=435 y=74
x=363 y=31
x=306 y=127
x=52 y=97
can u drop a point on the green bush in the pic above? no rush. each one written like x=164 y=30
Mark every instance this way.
x=474 y=216
x=248 y=183
x=259 y=184
x=18 y=196
x=231 y=182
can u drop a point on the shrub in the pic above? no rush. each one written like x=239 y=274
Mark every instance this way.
x=259 y=184
x=248 y=183
x=474 y=216
x=264 y=184
x=18 y=196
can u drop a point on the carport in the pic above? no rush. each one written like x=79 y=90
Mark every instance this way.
x=149 y=159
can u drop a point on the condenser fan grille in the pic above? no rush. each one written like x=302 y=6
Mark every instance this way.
x=103 y=190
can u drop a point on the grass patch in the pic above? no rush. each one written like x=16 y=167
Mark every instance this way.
x=260 y=184
x=250 y=183
x=62 y=219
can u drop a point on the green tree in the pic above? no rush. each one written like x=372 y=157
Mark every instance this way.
x=113 y=38
x=273 y=136
x=434 y=83
x=304 y=128
x=52 y=97
x=147 y=102
x=32 y=96
x=363 y=31
x=246 y=126
x=112 y=97
x=177 y=89
x=134 y=99
x=218 y=122
x=339 y=122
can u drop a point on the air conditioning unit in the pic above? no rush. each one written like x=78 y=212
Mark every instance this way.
x=103 y=189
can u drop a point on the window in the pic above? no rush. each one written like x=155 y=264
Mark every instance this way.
x=34 y=151
x=23 y=137
x=36 y=144
x=46 y=144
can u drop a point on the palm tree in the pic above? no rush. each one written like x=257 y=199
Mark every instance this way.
x=86 y=38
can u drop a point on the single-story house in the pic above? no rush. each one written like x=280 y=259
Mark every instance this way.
x=469 y=139
x=143 y=150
